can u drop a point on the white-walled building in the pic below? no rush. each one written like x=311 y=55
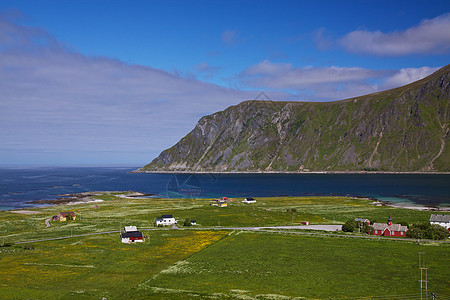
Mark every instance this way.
x=441 y=220
x=131 y=235
x=165 y=220
x=249 y=200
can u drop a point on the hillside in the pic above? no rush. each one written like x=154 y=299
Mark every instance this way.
x=404 y=129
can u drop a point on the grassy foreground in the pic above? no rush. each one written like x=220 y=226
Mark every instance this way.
x=262 y=264
x=93 y=267
x=219 y=264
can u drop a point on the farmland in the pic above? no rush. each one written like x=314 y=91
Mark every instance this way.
x=209 y=262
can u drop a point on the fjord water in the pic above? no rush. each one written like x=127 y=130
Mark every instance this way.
x=21 y=185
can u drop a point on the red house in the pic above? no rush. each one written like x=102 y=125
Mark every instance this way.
x=389 y=229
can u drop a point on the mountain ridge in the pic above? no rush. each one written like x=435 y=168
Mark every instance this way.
x=404 y=129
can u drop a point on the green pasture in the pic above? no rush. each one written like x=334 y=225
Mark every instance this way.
x=216 y=264
x=264 y=265
x=94 y=267
x=173 y=264
x=114 y=213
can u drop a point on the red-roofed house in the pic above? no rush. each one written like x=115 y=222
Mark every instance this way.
x=389 y=229
x=64 y=216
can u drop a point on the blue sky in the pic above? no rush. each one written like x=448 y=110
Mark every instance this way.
x=117 y=82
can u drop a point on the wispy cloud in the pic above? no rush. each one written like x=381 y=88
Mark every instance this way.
x=322 y=39
x=229 y=37
x=327 y=83
x=406 y=76
x=53 y=99
x=206 y=70
x=429 y=37
x=285 y=76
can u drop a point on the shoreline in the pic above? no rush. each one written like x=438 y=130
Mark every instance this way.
x=291 y=172
x=86 y=198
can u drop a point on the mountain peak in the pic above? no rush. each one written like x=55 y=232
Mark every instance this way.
x=402 y=129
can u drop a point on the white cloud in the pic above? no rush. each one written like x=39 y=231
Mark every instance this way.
x=56 y=100
x=327 y=83
x=285 y=76
x=429 y=37
x=406 y=76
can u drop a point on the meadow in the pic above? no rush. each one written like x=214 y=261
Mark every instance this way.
x=213 y=263
x=264 y=265
x=114 y=213
x=93 y=267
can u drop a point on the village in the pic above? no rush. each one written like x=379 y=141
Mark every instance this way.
x=131 y=234
x=176 y=245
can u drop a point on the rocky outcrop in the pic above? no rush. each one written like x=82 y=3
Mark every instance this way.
x=403 y=129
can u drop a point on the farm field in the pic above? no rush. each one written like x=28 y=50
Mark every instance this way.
x=114 y=212
x=174 y=264
x=93 y=267
x=214 y=263
x=263 y=265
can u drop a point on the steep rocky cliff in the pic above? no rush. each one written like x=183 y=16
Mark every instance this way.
x=403 y=129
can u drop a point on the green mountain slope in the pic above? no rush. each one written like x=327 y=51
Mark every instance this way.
x=403 y=129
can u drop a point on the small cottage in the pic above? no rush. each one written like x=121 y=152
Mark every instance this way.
x=193 y=222
x=249 y=200
x=64 y=216
x=165 y=220
x=131 y=235
x=389 y=229
x=441 y=220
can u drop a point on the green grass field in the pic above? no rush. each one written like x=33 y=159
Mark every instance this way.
x=215 y=264
x=258 y=264
x=114 y=213
x=94 y=267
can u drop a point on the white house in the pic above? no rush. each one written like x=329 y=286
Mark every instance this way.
x=131 y=235
x=165 y=220
x=441 y=220
x=249 y=200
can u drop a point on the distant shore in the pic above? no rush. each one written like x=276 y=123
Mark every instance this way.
x=87 y=197
x=288 y=172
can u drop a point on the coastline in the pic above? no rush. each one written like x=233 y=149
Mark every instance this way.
x=86 y=198
x=289 y=172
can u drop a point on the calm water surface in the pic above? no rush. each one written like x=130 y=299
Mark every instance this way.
x=20 y=185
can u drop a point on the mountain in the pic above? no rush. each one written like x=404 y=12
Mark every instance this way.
x=405 y=129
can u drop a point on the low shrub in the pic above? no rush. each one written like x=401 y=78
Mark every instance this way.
x=427 y=231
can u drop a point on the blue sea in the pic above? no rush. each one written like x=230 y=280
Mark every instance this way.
x=19 y=185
